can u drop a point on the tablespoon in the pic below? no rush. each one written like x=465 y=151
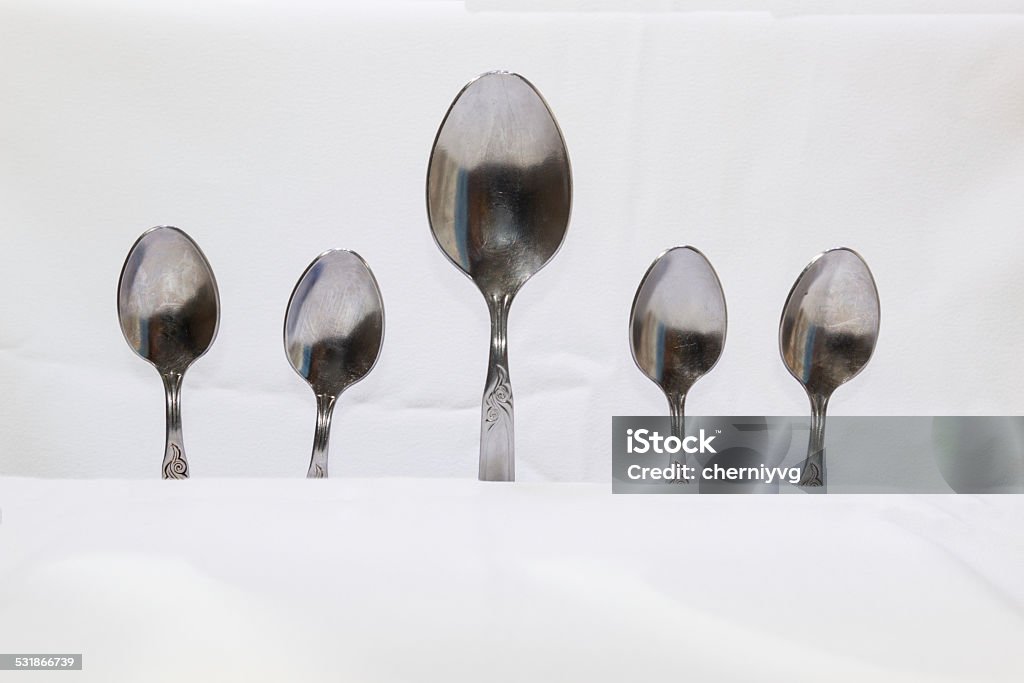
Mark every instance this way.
x=498 y=197
x=677 y=325
x=333 y=333
x=169 y=310
x=827 y=335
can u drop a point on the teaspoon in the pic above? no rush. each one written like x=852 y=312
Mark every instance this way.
x=827 y=334
x=677 y=325
x=498 y=197
x=333 y=333
x=169 y=310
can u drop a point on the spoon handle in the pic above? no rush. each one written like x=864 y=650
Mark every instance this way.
x=497 y=437
x=677 y=414
x=175 y=466
x=677 y=421
x=322 y=436
x=813 y=473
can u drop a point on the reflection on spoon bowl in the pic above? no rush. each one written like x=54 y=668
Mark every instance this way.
x=827 y=335
x=677 y=325
x=333 y=334
x=499 y=190
x=169 y=309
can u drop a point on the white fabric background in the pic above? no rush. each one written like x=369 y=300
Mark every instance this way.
x=273 y=131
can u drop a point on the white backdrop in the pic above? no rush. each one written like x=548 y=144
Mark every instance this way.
x=273 y=131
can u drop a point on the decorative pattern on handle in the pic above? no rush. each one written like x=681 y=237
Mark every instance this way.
x=498 y=397
x=175 y=466
x=811 y=473
x=497 y=436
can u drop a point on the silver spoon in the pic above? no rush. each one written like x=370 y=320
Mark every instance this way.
x=827 y=335
x=169 y=309
x=499 y=191
x=677 y=325
x=333 y=333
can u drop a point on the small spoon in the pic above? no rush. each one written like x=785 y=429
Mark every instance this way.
x=333 y=333
x=677 y=325
x=498 y=196
x=169 y=309
x=827 y=334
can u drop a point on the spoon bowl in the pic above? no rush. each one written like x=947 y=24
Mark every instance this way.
x=677 y=325
x=333 y=334
x=168 y=306
x=499 y=192
x=827 y=335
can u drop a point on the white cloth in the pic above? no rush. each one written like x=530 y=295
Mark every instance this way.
x=412 y=580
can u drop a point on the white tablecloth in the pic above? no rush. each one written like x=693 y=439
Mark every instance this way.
x=445 y=580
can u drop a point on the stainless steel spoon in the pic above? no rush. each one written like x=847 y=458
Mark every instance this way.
x=677 y=325
x=499 y=191
x=333 y=333
x=169 y=309
x=827 y=335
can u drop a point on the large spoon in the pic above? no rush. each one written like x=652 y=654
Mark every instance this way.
x=498 y=196
x=677 y=325
x=169 y=309
x=333 y=333
x=827 y=335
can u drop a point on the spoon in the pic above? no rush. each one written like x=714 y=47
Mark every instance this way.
x=677 y=325
x=827 y=334
x=498 y=196
x=169 y=309
x=333 y=333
